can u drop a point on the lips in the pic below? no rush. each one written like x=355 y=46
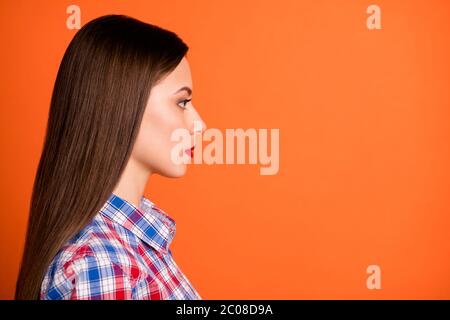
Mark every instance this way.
x=190 y=152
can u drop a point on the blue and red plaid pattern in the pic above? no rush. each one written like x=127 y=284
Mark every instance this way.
x=122 y=254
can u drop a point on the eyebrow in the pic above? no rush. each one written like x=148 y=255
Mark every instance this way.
x=187 y=89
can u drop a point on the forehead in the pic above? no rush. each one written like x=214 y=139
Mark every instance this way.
x=179 y=77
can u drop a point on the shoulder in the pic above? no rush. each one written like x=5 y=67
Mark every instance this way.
x=94 y=265
x=89 y=276
x=102 y=241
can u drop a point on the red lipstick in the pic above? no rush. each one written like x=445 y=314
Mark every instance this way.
x=190 y=152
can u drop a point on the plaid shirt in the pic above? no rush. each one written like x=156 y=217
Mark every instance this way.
x=122 y=254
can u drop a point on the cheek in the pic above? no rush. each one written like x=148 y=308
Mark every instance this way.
x=153 y=145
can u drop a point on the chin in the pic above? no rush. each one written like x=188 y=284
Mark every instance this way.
x=175 y=172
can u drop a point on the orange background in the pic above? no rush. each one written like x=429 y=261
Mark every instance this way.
x=364 y=142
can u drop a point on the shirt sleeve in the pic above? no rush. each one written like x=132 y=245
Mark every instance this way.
x=92 y=278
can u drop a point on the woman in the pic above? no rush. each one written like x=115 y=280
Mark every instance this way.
x=122 y=88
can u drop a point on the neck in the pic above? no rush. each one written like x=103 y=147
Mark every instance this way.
x=133 y=180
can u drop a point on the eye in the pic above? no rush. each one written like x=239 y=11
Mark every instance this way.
x=184 y=102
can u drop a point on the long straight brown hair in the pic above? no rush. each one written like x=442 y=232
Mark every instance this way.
x=100 y=93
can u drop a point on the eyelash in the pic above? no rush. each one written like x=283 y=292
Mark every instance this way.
x=185 y=102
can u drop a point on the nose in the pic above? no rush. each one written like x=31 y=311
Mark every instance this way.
x=197 y=124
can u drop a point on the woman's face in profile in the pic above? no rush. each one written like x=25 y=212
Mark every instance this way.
x=166 y=111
